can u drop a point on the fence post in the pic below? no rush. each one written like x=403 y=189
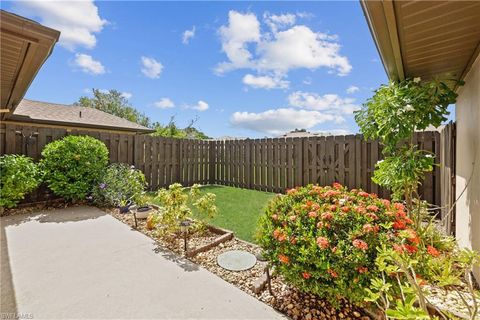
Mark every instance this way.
x=136 y=143
x=178 y=172
x=298 y=143
x=249 y=165
x=211 y=161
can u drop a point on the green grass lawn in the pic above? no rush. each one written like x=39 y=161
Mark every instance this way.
x=239 y=209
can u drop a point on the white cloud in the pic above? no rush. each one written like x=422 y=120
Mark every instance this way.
x=187 y=35
x=352 y=89
x=330 y=103
x=151 y=67
x=127 y=95
x=306 y=111
x=300 y=47
x=265 y=82
x=241 y=30
x=279 y=51
x=88 y=65
x=200 y=106
x=277 y=22
x=307 y=81
x=278 y=121
x=78 y=21
x=164 y=103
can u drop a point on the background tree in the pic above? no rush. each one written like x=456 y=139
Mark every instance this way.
x=113 y=102
x=171 y=130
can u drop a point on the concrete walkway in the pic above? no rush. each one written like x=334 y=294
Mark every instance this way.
x=80 y=263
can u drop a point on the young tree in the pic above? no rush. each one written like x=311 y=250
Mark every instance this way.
x=113 y=102
x=393 y=115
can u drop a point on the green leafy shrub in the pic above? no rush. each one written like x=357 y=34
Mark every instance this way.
x=325 y=240
x=18 y=176
x=118 y=184
x=72 y=165
x=178 y=203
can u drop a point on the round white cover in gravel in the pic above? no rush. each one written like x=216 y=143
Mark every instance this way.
x=236 y=260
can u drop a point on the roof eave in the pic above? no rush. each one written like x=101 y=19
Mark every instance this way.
x=380 y=16
x=17 y=118
x=39 y=43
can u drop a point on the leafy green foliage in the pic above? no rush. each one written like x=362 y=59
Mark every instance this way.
x=72 y=165
x=171 y=130
x=403 y=171
x=399 y=108
x=407 y=310
x=18 y=176
x=119 y=184
x=113 y=102
x=175 y=201
x=393 y=115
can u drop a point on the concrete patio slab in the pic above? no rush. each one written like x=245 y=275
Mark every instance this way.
x=80 y=263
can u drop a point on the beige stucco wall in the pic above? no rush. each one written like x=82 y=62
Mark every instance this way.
x=468 y=161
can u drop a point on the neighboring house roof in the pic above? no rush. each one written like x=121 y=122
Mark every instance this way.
x=70 y=115
x=228 y=138
x=303 y=134
x=299 y=134
x=428 y=39
x=25 y=46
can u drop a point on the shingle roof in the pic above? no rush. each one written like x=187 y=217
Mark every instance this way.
x=61 y=114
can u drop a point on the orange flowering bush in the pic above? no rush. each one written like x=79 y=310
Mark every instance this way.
x=325 y=240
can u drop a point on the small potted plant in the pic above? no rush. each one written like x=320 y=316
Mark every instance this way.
x=143 y=209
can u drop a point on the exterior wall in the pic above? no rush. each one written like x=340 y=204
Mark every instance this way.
x=468 y=161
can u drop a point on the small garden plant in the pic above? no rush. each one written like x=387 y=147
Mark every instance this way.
x=119 y=184
x=73 y=165
x=178 y=203
x=19 y=175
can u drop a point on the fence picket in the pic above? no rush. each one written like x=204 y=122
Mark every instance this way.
x=272 y=164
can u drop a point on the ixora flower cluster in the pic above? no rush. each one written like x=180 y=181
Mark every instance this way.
x=325 y=240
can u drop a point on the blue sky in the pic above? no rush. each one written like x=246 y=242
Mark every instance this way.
x=244 y=68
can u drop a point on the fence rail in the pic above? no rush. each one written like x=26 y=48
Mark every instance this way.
x=272 y=164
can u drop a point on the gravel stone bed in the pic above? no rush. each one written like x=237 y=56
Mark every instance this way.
x=176 y=244
x=287 y=300
x=450 y=301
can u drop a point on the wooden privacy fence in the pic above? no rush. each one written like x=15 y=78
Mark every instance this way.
x=263 y=164
x=280 y=163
